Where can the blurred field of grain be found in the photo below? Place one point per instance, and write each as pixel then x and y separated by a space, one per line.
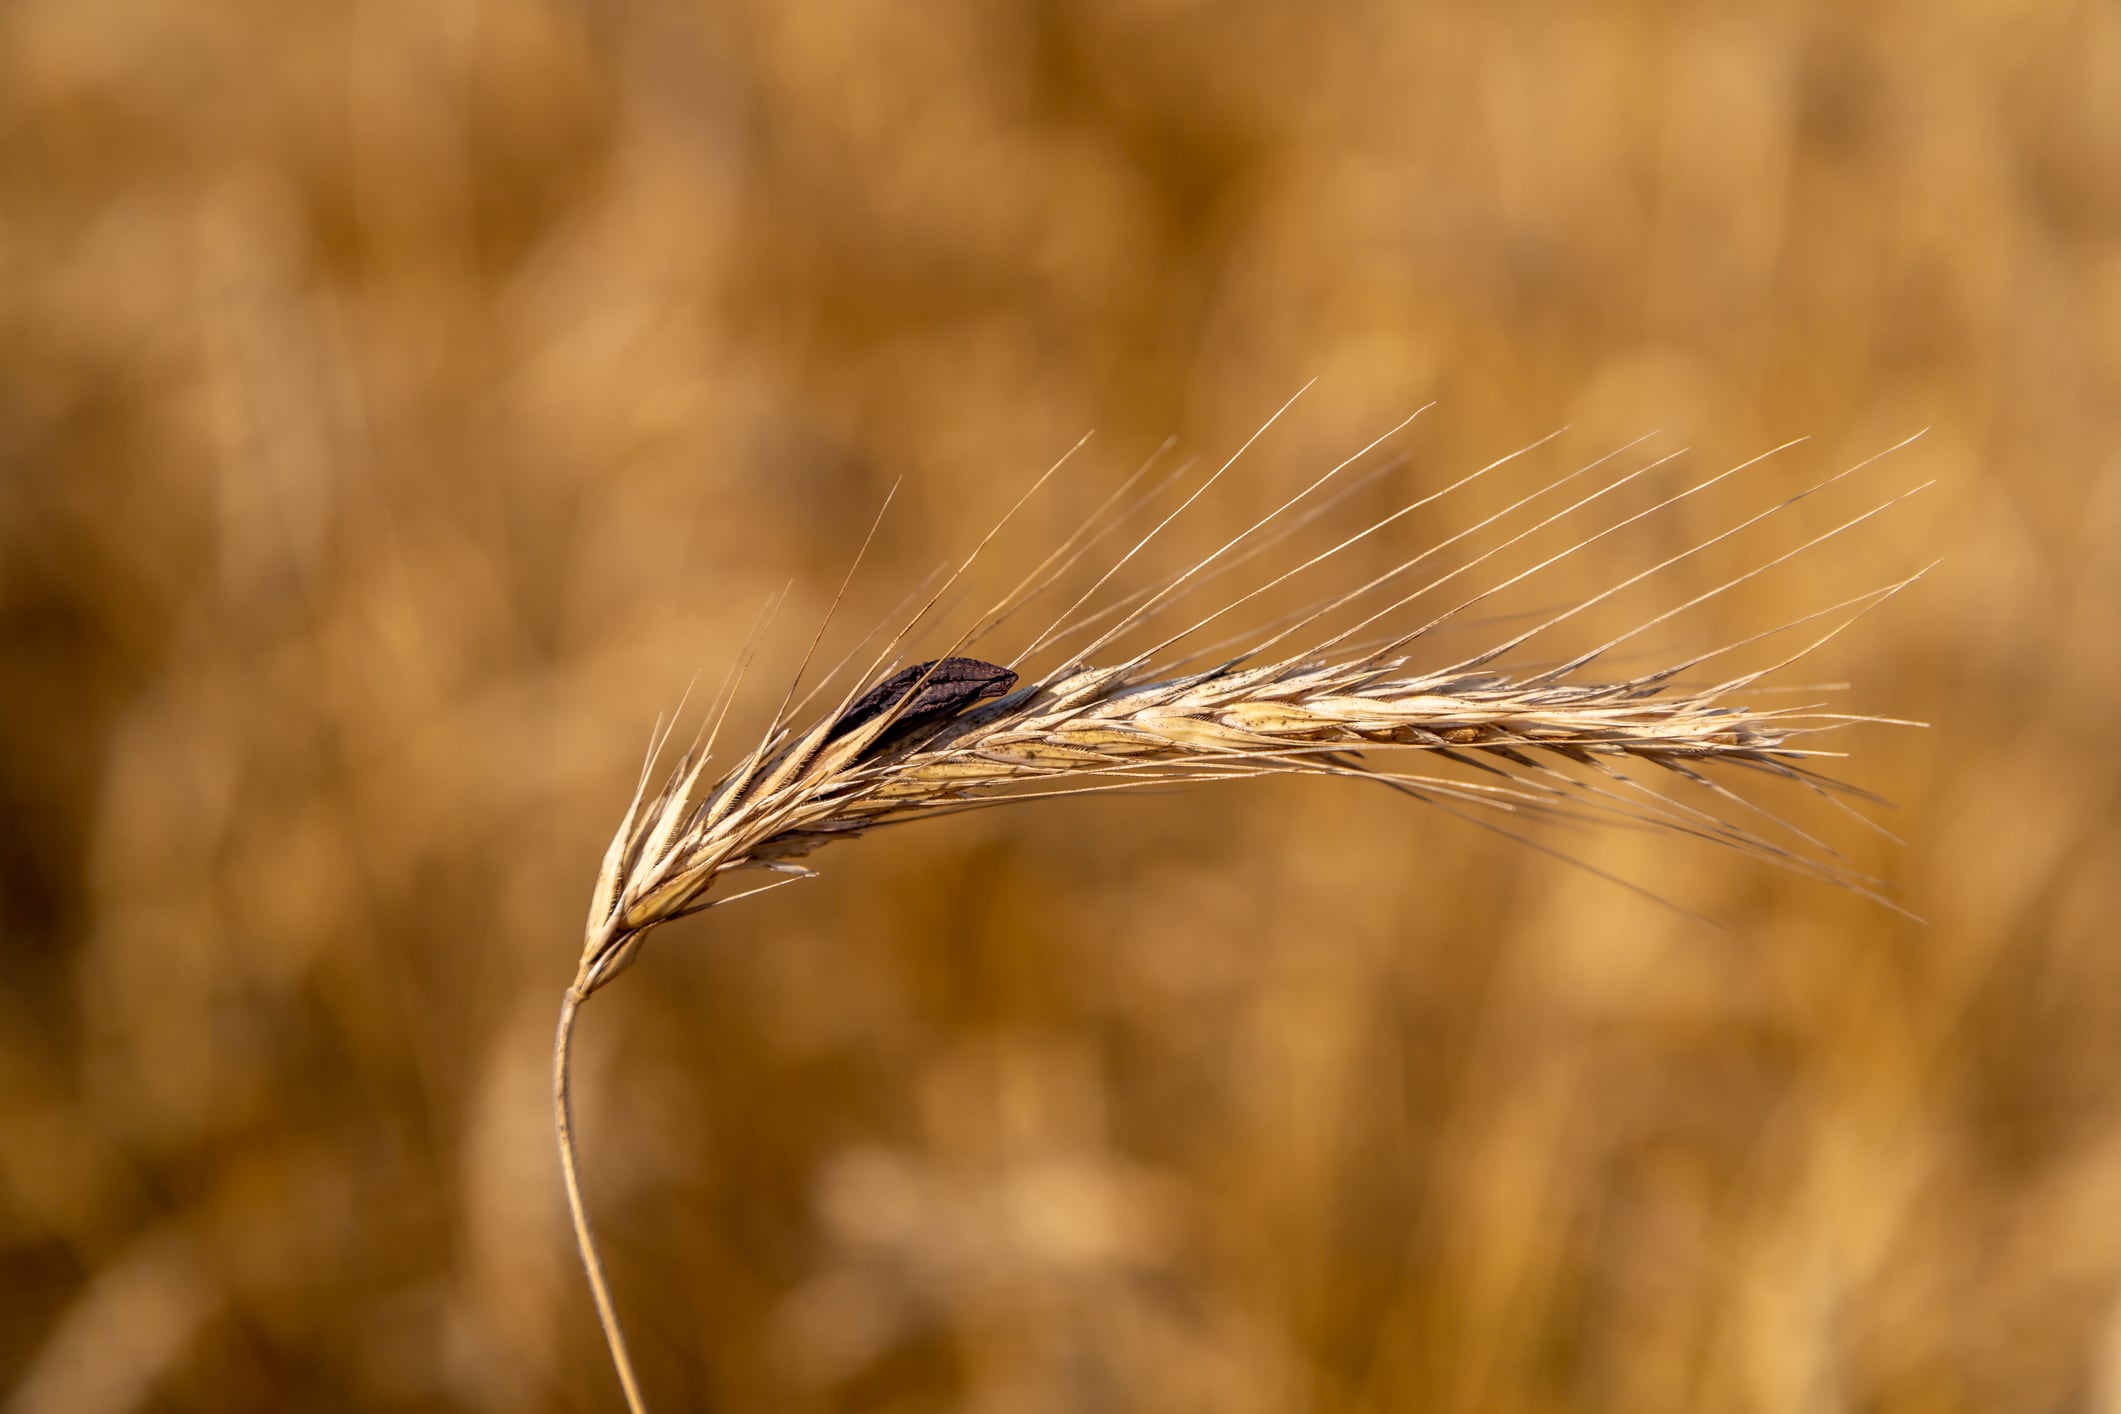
pixel 400 401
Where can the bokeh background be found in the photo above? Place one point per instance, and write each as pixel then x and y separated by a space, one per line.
pixel 400 401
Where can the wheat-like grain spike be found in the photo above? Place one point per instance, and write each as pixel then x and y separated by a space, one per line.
pixel 950 734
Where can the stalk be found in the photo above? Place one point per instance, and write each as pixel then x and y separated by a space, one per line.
pixel 585 1241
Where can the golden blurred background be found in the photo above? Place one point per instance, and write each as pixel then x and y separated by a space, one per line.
pixel 401 401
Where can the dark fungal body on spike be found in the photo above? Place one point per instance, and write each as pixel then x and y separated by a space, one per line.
pixel 946 687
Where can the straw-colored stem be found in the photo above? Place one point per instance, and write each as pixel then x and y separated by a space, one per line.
pixel 563 1130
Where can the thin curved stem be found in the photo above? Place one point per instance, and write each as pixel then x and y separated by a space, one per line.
pixel 563 1130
